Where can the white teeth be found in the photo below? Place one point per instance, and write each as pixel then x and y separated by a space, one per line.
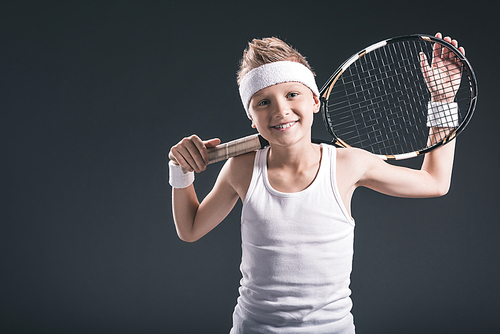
pixel 284 126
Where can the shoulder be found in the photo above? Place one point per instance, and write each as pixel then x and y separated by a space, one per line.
pixel 355 155
pixel 354 163
pixel 242 163
pixel 237 172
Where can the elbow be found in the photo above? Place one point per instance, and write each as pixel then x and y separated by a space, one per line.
pixel 442 190
pixel 437 185
pixel 187 237
pixel 441 193
pixel 185 230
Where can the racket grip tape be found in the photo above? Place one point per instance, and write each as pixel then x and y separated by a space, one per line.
pixel 234 148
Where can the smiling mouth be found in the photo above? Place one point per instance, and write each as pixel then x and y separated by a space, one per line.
pixel 284 125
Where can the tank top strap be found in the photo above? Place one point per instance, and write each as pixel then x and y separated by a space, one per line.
pixel 259 165
pixel 330 157
pixel 327 166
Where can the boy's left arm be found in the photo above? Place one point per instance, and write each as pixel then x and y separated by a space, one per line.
pixel 432 180
pixel 434 177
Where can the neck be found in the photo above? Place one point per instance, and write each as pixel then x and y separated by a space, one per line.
pixel 296 157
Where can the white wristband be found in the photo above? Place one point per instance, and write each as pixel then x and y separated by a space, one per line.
pixel 443 115
pixel 178 178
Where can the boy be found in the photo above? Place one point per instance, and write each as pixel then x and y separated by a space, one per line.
pixel 297 230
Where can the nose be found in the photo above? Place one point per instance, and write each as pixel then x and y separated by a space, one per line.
pixel 282 109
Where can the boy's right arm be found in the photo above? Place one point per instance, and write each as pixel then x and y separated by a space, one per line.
pixel 193 219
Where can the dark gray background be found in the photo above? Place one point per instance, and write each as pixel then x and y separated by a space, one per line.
pixel 94 94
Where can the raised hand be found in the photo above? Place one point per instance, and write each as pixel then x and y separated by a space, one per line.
pixel 191 153
pixel 444 73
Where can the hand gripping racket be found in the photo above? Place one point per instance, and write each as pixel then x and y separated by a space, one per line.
pixel 378 99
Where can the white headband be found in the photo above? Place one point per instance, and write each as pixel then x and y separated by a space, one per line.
pixel 273 74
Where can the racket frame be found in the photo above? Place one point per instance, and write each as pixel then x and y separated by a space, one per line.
pixel 328 86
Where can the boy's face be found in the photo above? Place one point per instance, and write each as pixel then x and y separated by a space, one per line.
pixel 283 113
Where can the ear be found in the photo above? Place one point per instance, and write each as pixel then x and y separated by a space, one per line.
pixel 251 119
pixel 316 104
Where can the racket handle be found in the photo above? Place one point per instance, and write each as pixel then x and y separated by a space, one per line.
pixel 234 148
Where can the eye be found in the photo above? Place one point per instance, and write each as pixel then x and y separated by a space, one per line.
pixel 263 103
pixel 292 94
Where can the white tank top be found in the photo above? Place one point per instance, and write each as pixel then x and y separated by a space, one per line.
pixel 297 253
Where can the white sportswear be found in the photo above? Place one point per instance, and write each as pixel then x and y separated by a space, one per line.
pixel 297 251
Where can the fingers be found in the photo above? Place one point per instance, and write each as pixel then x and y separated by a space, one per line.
pixel 444 75
pixel 191 153
pixel 442 52
pixel 437 48
pixel 424 65
pixel 454 42
pixel 212 142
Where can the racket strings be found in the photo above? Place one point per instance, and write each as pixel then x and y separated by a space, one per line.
pixel 381 101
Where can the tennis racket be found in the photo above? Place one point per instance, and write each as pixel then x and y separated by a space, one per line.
pixel 378 100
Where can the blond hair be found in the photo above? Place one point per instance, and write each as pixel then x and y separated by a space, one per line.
pixel 267 50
